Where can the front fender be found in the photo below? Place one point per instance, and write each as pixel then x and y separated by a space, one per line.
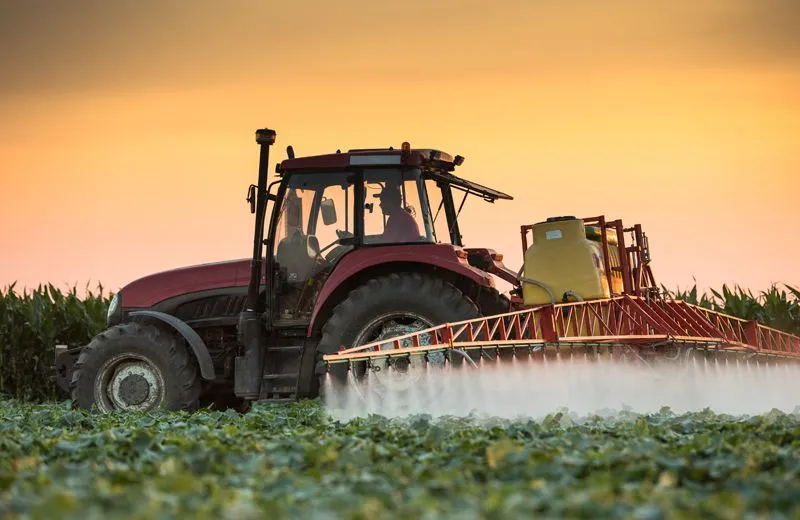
pixel 353 264
pixel 190 335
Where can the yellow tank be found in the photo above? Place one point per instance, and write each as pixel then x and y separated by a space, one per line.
pixel 565 260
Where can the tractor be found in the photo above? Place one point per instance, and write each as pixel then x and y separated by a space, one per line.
pixel 349 248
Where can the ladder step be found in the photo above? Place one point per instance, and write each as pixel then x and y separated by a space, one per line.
pixel 285 348
pixel 289 375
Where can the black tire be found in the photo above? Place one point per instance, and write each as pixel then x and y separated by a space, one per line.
pixel 429 297
pixel 492 302
pixel 166 361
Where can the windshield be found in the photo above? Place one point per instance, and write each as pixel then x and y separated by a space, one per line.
pixel 316 212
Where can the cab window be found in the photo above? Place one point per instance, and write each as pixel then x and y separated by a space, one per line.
pixel 395 208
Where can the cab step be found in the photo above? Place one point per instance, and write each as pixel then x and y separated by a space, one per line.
pixel 285 348
pixel 281 377
pixel 288 375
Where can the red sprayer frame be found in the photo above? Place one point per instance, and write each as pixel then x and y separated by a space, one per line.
pixel 612 325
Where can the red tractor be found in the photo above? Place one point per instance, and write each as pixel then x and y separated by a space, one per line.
pixel 330 267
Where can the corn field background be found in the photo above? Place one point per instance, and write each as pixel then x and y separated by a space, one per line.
pixel 32 322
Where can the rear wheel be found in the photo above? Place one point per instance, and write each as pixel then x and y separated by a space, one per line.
pixel 135 366
pixel 385 307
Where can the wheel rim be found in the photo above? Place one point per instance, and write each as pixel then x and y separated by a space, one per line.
pixel 399 374
pixel 129 382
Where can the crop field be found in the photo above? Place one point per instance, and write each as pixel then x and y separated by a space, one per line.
pixel 296 462
pixel 732 456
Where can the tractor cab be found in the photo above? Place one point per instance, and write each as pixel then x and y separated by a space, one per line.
pixel 328 206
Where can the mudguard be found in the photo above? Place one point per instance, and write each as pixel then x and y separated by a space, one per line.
pixel 440 256
pixel 190 335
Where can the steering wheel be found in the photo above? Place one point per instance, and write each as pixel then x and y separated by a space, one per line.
pixel 342 235
pixel 337 251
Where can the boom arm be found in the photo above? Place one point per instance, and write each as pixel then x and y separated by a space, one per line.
pixel 617 325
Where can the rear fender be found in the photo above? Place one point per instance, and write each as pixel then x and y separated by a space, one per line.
pixel 376 261
pixel 189 334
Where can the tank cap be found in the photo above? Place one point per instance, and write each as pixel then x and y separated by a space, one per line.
pixel 560 219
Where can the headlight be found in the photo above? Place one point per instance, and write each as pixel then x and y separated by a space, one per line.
pixel 112 307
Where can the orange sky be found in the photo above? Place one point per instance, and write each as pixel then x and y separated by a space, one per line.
pixel 126 136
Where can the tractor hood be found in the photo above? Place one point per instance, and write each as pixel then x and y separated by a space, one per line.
pixel 152 289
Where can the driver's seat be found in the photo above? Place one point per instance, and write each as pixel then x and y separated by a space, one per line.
pixel 297 253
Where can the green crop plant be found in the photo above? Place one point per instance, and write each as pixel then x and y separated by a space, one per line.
pixel 295 461
pixel 31 323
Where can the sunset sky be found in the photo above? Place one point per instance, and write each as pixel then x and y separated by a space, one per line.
pixel 127 127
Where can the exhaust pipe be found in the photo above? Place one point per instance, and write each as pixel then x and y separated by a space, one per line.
pixel 249 367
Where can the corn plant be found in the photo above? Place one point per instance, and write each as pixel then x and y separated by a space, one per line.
pixel 31 324
pixel 775 308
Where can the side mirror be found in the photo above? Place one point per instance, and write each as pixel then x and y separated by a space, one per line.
pixel 251 197
pixel 328 209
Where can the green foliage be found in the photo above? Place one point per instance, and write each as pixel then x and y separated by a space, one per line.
pixel 296 462
pixel 31 324
pixel 774 308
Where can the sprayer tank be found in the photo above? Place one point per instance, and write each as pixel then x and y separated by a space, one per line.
pixel 567 261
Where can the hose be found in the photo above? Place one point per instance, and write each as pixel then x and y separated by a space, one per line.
pixel 578 297
pixel 531 281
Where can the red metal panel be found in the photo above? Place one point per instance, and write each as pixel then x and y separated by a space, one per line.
pixel 627 276
pixel 751 334
pixel 157 287
pixel 547 323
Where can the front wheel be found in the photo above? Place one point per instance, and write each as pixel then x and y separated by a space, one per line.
pixel 382 308
pixel 135 367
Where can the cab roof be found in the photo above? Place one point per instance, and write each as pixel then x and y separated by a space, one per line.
pixel 435 164
pixel 375 157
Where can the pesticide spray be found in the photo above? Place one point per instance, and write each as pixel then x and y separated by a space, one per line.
pixel 523 387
